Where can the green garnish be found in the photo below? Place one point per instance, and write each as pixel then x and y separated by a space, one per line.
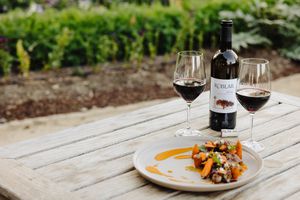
pixel 202 148
pixel 216 160
pixel 231 147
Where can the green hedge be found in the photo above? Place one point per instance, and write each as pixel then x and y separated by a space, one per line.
pixel 127 32
pixel 95 35
pixel 74 37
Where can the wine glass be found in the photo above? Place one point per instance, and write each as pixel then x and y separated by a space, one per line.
pixel 253 91
pixel 189 82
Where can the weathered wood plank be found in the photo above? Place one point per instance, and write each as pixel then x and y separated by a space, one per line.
pixel 288 157
pixel 91 171
pixel 294 196
pixel 287 163
pixel 106 140
pixel 148 193
pixel 86 169
pixel 276 187
pixel 98 143
pixel 94 129
pixel 272 150
pixel 19 182
pixel 284 98
pixel 87 131
pixel 262 131
pixel 115 186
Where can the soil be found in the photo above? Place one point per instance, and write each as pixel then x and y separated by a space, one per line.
pixel 76 89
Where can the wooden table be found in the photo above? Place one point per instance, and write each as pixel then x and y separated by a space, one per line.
pixel 94 161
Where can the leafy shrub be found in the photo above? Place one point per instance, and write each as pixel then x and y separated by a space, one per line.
pixel 56 55
pixel 278 21
pixel 74 37
pixel 246 39
pixel 98 35
pixel 5 62
pixel 23 58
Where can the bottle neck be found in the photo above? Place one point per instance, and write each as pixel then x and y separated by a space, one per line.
pixel 225 38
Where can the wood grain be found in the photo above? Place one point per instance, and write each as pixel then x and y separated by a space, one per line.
pixel 273 154
pixel 279 186
pixel 264 130
pixel 284 98
pixel 87 131
pixel 294 196
pixel 94 161
pixel 19 182
pixel 87 171
pixel 166 126
pixel 109 139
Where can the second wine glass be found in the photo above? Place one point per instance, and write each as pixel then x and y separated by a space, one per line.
pixel 189 82
pixel 253 91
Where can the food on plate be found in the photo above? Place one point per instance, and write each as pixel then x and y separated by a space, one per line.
pixel 220 161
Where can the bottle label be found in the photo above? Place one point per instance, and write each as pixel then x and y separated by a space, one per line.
pixel 222 95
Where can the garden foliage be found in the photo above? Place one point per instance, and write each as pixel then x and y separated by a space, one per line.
pixel 73 36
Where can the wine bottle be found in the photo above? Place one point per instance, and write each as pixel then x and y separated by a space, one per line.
pixel 224 74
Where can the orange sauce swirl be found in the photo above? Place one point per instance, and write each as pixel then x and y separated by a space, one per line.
pixel 170 153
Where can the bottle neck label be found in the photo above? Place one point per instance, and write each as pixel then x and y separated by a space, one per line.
pixel 222 95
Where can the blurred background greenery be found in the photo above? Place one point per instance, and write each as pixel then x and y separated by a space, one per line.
pixel 49 34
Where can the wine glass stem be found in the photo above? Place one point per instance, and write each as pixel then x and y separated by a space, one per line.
pixel 188 125
pixel 251 126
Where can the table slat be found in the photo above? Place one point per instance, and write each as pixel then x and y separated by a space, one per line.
pixel 280 186
pixel 284 98
pixel 273 154
pixel 97 144
pixel 19 182
pixel 113 138
pixel 294 196
pixel 86 169
pixel 94 161
pixel 93 129
pixel 265 130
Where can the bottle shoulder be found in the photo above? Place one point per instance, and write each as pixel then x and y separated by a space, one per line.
pixel 228 55
pixel 225 65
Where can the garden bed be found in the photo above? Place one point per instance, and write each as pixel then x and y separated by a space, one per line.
pixel 69 90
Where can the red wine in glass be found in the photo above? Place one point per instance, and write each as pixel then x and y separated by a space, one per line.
pixel 253 91
pixel 189 82
pixel 252 99
pixel 189 89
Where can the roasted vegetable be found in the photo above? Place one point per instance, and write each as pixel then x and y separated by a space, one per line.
pixel 207 167
pixel 220 161
pixel 239 150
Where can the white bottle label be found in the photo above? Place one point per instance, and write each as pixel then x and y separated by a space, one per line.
pixel 222 95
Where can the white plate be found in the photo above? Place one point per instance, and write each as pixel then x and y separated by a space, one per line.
pixel 189 180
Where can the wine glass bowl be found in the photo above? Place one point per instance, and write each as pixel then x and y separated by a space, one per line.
pixel 189 82
pixel 254 90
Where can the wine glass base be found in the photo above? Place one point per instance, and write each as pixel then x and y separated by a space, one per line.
pixel 193 132
pixel 256 146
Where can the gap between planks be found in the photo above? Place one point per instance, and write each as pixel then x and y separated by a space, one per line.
pixel 127 159
pixel 19 182
pixel 263 177
pixel 34 146
pixel 40 160
pixel 86 131
pixel 46 158
pixel 267 126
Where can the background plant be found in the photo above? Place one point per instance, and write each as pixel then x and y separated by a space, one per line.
pixel 276 24
pixel 23 58
pixel 78 37
pixel 5 62
pixel 55 57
